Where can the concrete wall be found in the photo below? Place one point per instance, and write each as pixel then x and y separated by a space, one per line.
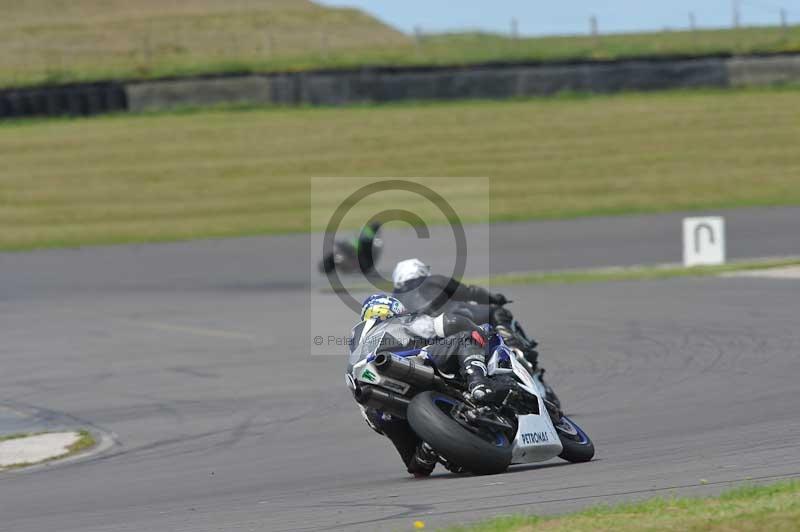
pixel 197 92
pixel 753 71
pixel 375 86
pixel 397 84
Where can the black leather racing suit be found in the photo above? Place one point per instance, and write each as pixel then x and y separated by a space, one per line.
pixel 437 293
pixel 430 295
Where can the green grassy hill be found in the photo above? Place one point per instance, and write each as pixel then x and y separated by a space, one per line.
pixel 73 40
pixel 57 40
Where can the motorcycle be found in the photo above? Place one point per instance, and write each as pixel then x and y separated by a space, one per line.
pixel 482 439
pixel 344 257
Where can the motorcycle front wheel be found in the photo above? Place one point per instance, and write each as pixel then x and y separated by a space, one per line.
pixel 479 451
pixel 577 446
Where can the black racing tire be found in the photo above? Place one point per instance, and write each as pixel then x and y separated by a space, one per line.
pixel 327 265
pixel 577 446
pixel 458 445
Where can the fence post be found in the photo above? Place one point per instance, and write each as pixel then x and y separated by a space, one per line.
pixel 418 34
pixel 737 14
pixel 418 38
pixel 594 28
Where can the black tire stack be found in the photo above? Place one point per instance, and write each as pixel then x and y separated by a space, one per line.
pixel 66 100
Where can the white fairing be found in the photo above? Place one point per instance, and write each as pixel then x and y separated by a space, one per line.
pixel 537 439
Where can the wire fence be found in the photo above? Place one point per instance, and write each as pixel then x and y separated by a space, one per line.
pixel 781 16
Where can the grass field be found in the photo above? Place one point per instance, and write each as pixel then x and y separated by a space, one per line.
pixel 222 173
pixel 754 508
pixel 57 40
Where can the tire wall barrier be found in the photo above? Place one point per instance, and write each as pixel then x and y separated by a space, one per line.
pixel 73 100
pixel 376 85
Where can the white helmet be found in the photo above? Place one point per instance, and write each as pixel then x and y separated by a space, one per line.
pixel 408 270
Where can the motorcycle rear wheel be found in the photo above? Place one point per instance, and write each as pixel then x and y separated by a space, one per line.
pixel 430 415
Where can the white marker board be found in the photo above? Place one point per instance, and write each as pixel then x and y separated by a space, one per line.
pixel 703 241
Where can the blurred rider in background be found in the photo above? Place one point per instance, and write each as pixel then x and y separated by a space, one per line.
pixel 360 253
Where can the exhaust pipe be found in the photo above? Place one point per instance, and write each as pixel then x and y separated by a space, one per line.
pixel 411 371
pixel 391 403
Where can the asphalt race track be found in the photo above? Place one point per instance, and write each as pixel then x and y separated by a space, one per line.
pixel 194 358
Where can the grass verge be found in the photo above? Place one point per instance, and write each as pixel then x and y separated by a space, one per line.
pixel 84 442
pixel 634 273
pixel 206 174
pixel 750 508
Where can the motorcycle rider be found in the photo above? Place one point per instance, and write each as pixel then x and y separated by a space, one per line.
pixel 453 342
pixel 421 291
pixel 356 254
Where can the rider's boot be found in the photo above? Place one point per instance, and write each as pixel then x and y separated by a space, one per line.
pixel 423 461
pixel 473 369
